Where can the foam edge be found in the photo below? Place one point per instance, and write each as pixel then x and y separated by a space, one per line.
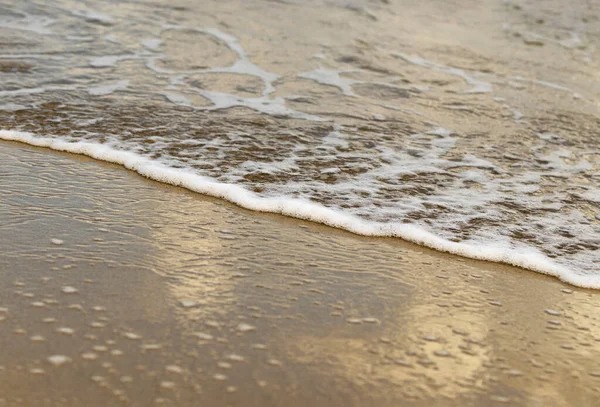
pixel 303 209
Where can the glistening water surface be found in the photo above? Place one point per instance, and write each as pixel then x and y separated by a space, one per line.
pixel 470 128
pixel 148 295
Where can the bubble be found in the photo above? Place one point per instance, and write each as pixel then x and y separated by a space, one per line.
pixel 65 330
pixel 69 290
pixel 236 358
pixel 89 356
pixel 203 336
pixel 174 369
pixel 500 399
pixel 167 385
pixel 151 346
pixel 552 312
pixel 242 327
pixel 371 320
pixel 274 362
pixel 354 321
pixel 131 335
pixel 58 360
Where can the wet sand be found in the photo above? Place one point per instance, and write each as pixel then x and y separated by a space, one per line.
pixel 153 295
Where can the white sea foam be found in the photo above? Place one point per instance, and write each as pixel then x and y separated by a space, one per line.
pixel 528 258
pixel 478 85
pixel 29 22
pixel 242 66
pixel 177 99
pixel 12 107
pixel 275 106
pixel 331 78
pixel 94 16
pixel 152 44
pixel 365 163
pixel 32 56
pixel 108 89
pixel 33 91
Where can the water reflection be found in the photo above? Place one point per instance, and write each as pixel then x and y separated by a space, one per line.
pixel 263 310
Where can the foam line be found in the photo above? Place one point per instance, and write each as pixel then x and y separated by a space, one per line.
pixel 331 77
pixel 303 209
pixel 479 86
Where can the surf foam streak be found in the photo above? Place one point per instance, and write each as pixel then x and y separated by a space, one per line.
pixel 303 209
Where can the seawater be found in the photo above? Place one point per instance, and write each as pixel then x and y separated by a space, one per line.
pixel 479 138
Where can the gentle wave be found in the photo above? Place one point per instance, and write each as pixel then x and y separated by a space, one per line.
pixel 303 209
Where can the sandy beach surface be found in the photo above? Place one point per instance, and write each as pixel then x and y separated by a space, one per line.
pixel 117 290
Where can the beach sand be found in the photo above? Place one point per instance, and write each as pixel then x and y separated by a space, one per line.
pixel 117 290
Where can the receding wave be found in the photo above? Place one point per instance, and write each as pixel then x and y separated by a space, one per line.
pixel 381 131
pixel 528 258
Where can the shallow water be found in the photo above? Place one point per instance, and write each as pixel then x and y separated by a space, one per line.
pixel 150 295
pixel 470 129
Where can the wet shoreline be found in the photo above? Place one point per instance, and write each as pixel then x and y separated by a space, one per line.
pixel 158 296
pixel 472 126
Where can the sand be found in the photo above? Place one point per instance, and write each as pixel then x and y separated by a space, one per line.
pixel 117 290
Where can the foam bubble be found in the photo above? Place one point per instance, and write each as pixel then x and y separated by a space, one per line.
pixel 58 360
pixel 69 290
